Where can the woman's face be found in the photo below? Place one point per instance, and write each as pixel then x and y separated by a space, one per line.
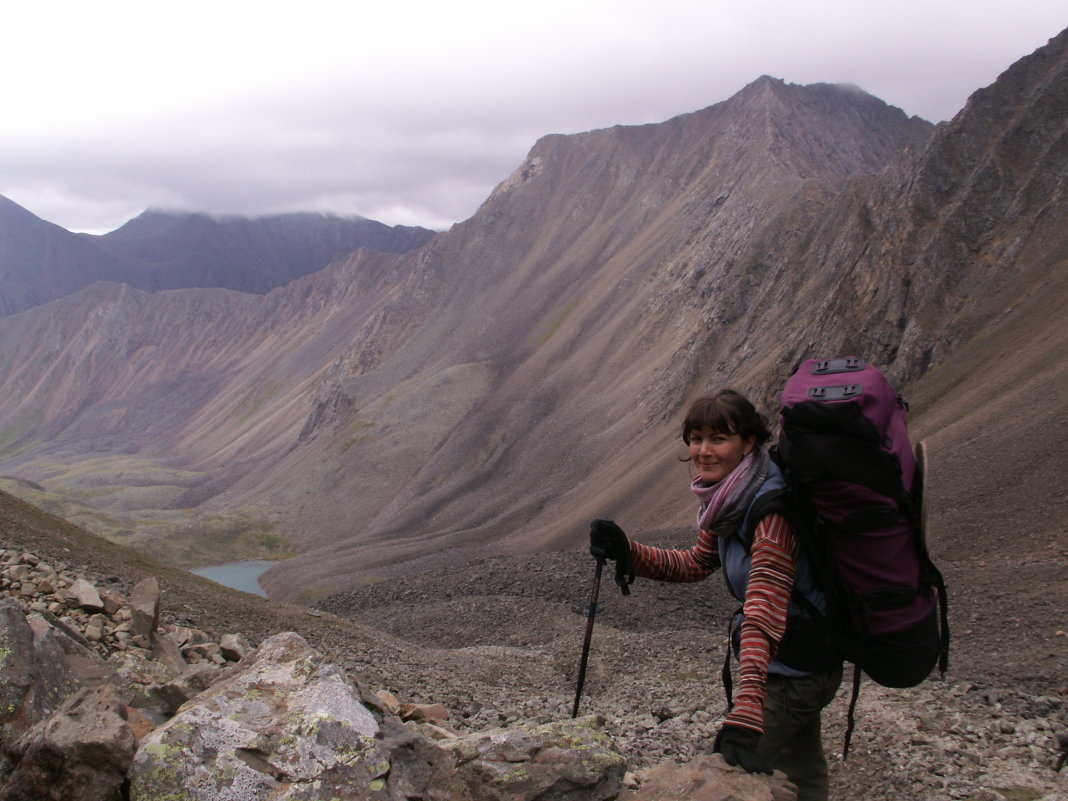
pixel 716 454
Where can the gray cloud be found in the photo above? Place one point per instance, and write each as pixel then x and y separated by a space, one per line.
pixel 413 118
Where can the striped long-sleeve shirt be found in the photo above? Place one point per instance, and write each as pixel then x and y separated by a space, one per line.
pixel 771 580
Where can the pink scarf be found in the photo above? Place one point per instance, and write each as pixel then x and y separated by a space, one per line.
pixel 724 504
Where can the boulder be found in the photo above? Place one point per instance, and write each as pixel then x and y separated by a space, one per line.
pixel 388 702
pixel 709 778
pixel 204 652
pixel 424 713
pixel 96 628
pixel 419 769
pixel 86 596
pixel 284 724
pixel 187 685
pixel 86 664
pixel 35 676
pixel 572 760
pixel 82 751
pixel 144 608
pixel 112 601
pixel 166 651
pixel 234 647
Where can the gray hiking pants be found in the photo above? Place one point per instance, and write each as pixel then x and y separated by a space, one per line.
pixel 792 741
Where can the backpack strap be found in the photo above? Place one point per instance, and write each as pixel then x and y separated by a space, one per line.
pixel 771 502
pixel 931 576
pixel 728 679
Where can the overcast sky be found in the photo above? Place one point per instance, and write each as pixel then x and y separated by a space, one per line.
pixel 411 112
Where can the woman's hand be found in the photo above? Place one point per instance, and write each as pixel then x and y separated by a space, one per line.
pixel 738 747
pixel 607 541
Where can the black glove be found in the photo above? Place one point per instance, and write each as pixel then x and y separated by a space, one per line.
pixel 607 541
pixel 738 747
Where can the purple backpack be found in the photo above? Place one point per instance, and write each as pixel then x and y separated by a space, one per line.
pixel 856 485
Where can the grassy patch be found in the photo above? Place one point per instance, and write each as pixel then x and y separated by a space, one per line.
pixel 113 470
pixel 112 527
pixel 231 537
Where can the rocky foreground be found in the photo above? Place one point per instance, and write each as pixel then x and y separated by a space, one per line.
pixel 103 699
pixel 445 659
pixel 655 677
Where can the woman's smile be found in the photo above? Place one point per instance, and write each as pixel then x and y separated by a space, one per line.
pixel 716 454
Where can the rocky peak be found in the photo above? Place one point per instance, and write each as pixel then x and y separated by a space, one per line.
pixel 40 261
pixel 820 127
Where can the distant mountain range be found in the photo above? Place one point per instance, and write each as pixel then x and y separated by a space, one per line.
pixel 502 383
pixel 40 262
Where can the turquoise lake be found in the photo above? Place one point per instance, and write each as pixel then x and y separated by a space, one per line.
pixel 242 576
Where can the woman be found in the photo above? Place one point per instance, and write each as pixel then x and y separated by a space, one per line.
pixel 787 671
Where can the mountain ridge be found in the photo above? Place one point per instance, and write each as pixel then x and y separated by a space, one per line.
pixel 257 254
pixel 41 262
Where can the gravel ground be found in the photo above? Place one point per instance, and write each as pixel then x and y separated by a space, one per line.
pixel 654 675
pixel 499 640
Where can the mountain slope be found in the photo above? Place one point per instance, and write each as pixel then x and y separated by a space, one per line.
pixel 594 256
pixel 594 313
pixel 523 372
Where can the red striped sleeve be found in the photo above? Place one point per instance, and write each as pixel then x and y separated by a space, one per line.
pixel 771 580
pixel 666 564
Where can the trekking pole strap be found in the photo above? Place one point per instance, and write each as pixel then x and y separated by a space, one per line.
pixel 624 576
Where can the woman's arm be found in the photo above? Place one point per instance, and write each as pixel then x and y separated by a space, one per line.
pixel 771 580
pixel 666 564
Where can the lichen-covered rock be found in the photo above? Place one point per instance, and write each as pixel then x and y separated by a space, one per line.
pixel 35 676
pixel 286 725
pixel 567 760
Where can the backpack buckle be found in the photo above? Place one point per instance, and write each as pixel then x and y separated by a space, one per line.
pixel 849 364
pixel 835 393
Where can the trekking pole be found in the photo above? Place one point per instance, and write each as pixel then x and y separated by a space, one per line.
pixel 591 613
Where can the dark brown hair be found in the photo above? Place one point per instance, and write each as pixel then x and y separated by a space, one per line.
pixel 728 412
